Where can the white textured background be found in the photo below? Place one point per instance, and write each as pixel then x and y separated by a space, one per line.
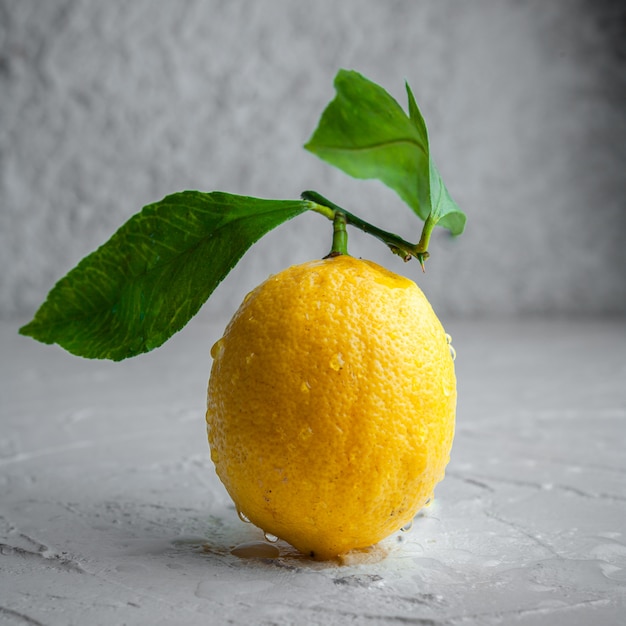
pixel 107 106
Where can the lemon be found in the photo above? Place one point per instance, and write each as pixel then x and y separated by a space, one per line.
pixel 331 405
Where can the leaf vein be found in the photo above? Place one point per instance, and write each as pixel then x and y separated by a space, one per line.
pixel 375 146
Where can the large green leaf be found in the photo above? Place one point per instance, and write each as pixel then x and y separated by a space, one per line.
pixel 156 271
pixel 366 133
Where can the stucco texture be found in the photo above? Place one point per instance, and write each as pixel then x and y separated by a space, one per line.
pixel 108 106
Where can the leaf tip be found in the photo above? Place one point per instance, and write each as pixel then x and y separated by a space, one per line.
pixel 27 330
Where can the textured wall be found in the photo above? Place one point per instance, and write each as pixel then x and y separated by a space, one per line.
pixel 106 106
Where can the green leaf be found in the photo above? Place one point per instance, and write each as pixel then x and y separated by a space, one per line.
pixel 367 134
pixel 443 208
pixel 144 284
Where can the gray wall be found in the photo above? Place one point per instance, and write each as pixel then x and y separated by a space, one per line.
pixel 106 106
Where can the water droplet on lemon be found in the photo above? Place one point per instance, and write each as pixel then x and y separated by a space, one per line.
pixel 452 350
pixel 243 517
pixel 218 349
pixel 407 527
pixel 336 361
pixel 271 538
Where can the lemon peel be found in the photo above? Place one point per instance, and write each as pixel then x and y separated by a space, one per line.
pixel 331 405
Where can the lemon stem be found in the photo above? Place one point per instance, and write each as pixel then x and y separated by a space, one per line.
pixel 422 244
pixel 396 244
pixel 340 235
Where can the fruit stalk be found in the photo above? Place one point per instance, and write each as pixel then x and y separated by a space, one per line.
pixel 340 236
pixel 396 244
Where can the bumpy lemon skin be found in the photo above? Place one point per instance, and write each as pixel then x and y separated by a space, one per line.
pixel 331 405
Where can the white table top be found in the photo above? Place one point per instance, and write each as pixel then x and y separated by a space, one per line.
pixel 111 513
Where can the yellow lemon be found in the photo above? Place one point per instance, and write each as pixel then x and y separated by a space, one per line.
pixel 331 405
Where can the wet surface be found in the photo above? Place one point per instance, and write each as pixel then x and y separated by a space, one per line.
pixel 110 510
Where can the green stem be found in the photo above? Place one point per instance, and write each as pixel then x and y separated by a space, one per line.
pixel 396 244
pixel 422 244
pixel 340 235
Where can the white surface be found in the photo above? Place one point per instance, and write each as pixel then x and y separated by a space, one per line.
pixel 111 512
